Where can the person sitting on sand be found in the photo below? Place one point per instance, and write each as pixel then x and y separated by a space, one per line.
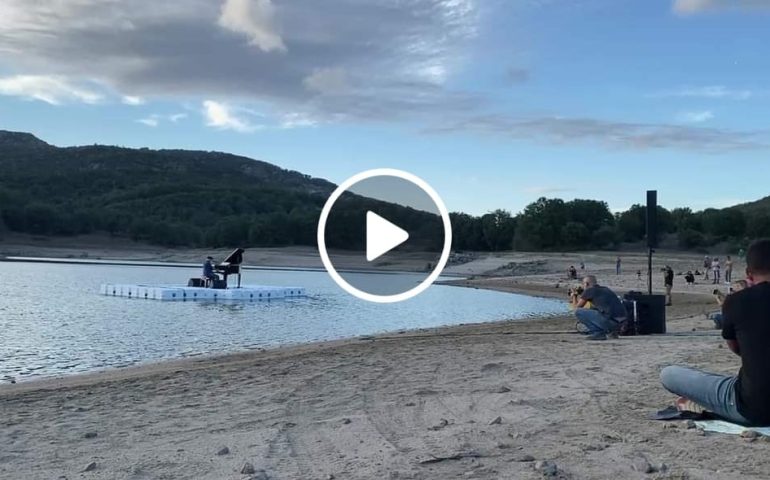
pixel 745 398
pixel 572 272
pixel 689 278
pixel 607 312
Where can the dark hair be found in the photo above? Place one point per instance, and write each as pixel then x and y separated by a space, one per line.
pixel 758 257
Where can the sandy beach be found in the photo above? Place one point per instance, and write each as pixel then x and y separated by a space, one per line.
pixel 477 401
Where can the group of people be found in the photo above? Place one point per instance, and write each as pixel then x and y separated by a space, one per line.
pixel 712 265
pixel 745 323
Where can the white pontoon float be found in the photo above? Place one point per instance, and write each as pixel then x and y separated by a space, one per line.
pixel 200 289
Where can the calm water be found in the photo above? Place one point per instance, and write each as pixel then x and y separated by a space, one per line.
pixel 53 322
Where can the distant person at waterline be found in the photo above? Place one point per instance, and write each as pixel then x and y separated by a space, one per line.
pixel 715 270
pixel 744 398
pixel 706 266
pixel 606 312
pixel 617 266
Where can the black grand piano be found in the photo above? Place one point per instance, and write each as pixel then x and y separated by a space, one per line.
pixel 231 266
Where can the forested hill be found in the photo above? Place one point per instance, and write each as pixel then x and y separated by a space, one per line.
pixel 172 197
pixel 213 199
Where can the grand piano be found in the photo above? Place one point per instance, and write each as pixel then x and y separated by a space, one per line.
pixel 231 266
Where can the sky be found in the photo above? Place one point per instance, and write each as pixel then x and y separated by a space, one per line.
pixel 493 102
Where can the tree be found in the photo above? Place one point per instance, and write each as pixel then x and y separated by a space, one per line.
pixel 575 235
pixel 539 226
pixel 498 230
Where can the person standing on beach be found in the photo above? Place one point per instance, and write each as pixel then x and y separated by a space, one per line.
pixel 715 270
pixel 668 281
pixel 728 270
pixel 744 398
pixel 617 266
pixel 706 266
pixel 607 310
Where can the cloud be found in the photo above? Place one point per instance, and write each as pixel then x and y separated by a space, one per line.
pixel 131 100
pixel 713 92
pixel 611 134
pixel 151 121
pixel 347 59
pixel 54 90
pixel 690 7
pixel 224 117
pixel 297 120
pixel 328 81
pixel 156 119
pixel 695 117
pixel 256 20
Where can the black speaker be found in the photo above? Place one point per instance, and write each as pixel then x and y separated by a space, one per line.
pixel 652 218
pixel 650 313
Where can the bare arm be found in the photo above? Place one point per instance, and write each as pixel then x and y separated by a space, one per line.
pixel 581 303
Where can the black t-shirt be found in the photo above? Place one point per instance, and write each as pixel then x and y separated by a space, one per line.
pixel 747 320
pixel 669 277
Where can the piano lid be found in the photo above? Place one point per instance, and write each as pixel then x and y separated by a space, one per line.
pixel 235 258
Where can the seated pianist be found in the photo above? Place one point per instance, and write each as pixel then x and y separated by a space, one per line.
pixel 208 271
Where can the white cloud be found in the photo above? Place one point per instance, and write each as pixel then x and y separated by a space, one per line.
pixel 328 81
pixel 297 120
pixel 225 117
pixel 256 20
pixel 176 117
pixel 132 100
pixel 713 91
pixel 695 117
pixel 691 7
pixel 156 119
pixel 55 90
pixel 151 121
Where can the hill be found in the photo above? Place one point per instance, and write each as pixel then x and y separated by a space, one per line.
pixel 172 197
pixel 167 197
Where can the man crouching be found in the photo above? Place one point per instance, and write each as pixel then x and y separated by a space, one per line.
pixel 744 398
pixel 606 312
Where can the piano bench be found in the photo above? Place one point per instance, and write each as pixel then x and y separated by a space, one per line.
pixel 196 282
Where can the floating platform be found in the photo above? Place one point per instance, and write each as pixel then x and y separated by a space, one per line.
pixel 180 293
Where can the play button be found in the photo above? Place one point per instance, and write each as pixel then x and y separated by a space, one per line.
pixel 382 236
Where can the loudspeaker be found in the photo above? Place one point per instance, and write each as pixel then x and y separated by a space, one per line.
pixel 652 218
pixel 650 313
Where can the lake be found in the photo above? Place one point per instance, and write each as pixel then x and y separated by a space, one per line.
pixel 53 321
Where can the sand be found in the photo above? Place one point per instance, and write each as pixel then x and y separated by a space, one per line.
pixel 491 401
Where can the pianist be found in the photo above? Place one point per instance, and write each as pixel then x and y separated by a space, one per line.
pixel 208 270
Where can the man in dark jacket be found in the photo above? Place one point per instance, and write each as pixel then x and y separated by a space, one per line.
pixel 606 312
pixel 744 398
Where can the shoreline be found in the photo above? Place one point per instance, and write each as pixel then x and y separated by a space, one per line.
pixel 478 401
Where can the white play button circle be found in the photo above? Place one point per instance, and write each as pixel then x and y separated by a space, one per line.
pixel 382 236
pixel 384 221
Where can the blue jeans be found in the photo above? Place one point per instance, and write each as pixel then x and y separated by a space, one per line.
pixel 595 321
pixel 717 318
pixel 715 393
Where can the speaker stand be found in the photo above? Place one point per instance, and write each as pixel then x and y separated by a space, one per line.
pixel 649 271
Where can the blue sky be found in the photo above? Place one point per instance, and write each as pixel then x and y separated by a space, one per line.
pixel 493 102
